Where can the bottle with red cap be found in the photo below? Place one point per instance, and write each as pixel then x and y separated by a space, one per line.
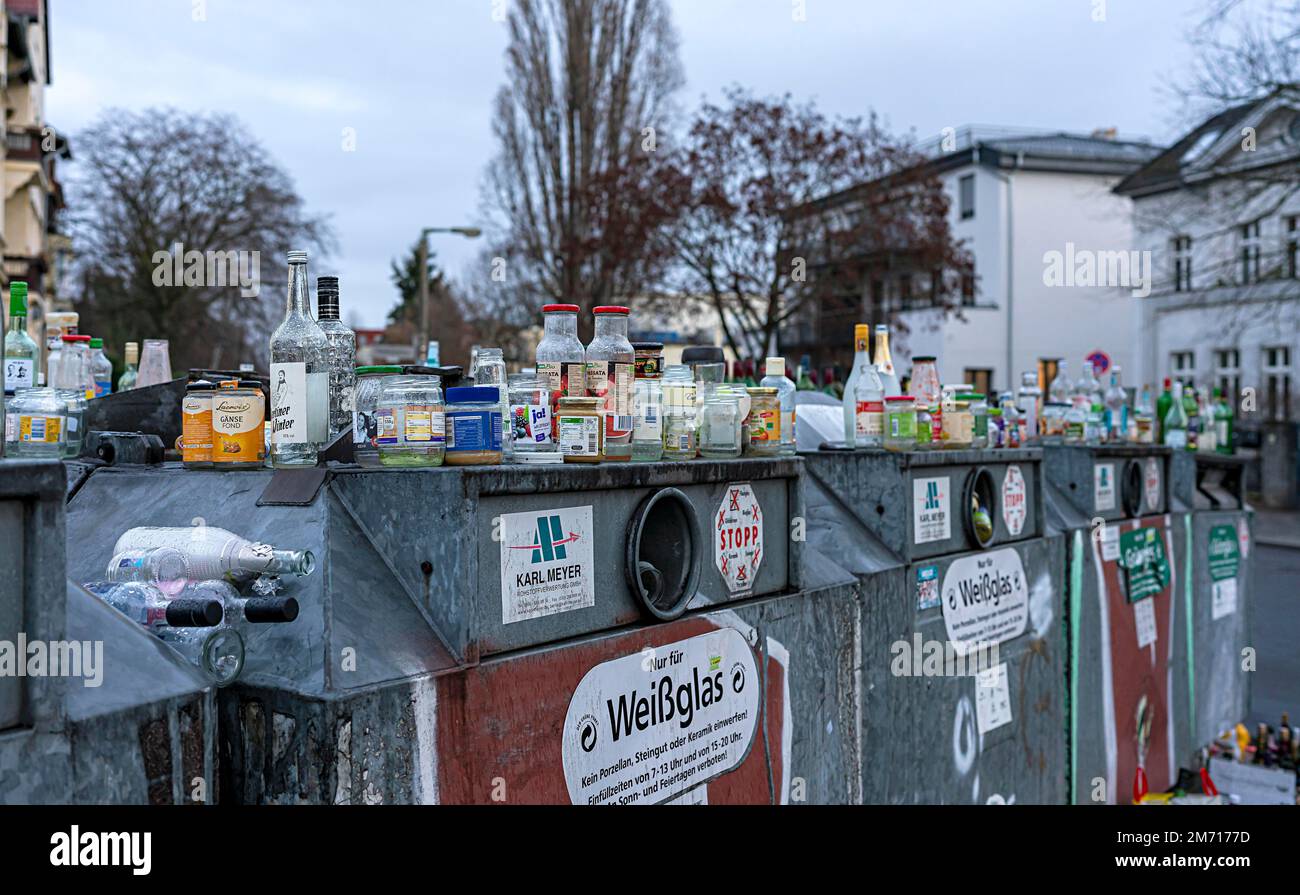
pixel 611 364
pixel 561 359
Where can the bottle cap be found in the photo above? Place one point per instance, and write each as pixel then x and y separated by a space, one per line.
pixel 250 383
pixel 702 354
pixel 96 343
pixel 132 352
pixel 610 309
pixel 327 298
pixel 923 359
pixel 566 309
pixel 200 385
pixel 297 257
pixel 648 346
pixel 775 366
pixel 193 613
pixel 861 331
pixel 387 370
pixel 270 610
pixel 473 394
pixel 18 299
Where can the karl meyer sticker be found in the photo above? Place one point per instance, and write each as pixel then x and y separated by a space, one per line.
pixel 931 520
pixel 649 726
pixel 1103 486
pixel 1014 506
pixel 546 563
pixel 1151 483
pixel 738 538
pixel 985 600
pixel 1224 559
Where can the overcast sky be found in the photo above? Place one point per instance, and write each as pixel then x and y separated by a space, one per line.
pixel 415 78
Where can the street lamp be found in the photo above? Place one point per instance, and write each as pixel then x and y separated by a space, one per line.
pixel 468 233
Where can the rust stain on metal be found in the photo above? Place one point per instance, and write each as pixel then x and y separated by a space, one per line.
pixel 193 757
pixel 156 753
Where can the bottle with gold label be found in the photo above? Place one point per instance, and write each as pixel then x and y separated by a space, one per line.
pixel 196 425
pixel 238 421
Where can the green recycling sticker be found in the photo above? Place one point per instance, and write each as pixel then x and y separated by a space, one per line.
pixel 1224 552
pixel 1142 554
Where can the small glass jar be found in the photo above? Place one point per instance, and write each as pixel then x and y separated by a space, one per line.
pixel 1053 429
pixel 924 384
pixel 37 423
pixel 958 424
pixel 410 421
pixel 979 410
pixel 489 369
pixel 365 431
pixel 722 417
pixel 764 422
pixel 196 425
pixel 926 436
pixel 531 430
pixel 74 417
pixel 648 419
pixel 1075 425
pixel 1094 428
pixel 581 427
pixel 900 423
pixel 238 425
pixel 679 403
pixel 473 426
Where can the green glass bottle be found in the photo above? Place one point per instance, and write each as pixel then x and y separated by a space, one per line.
pixel 1223 424
pixel 21 355
pixel 1162 410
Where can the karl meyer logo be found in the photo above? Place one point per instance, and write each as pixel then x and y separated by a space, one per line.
pixel 550 542
pixel 932 496
pixel 1085 268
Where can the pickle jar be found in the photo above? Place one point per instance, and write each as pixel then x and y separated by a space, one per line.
pixel 764 422
pixel 36 421
pixel 365 449
pixel 900 423
pixel 410 421
pixel 958 424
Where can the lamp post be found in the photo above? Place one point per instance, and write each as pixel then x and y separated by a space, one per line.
pixel 423 252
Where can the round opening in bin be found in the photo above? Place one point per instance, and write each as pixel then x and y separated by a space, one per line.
pixel 979 506
pixel 1131 488
pixel 663 553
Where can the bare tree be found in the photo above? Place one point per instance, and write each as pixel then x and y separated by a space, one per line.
pixel 575 191
pixel 1242 49
pixel 148 182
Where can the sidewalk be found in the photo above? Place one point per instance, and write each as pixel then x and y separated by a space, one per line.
pixel 1279 528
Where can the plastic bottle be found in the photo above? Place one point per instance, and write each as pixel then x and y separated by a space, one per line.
pixel 785 389
pixel 101 369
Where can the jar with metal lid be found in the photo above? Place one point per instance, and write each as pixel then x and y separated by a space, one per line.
pixel 924 384
pixel 1053 429
pixel 531 430
pixel 679 405
pixel 764 422
pixel 196 425
pixel 473 426
pixel 365 428
pixel 36 423
pixel 581 427
pixel 900 423
pixel 410 421
pixel 722 418
pixel 238 425
pixel 958 424
pixel 979 411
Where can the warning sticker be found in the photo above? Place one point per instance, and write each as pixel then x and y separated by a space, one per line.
pixel 547 564
pixel 1109 543
pixel 931 516
pixel 1103 486
pixel 1014 506
pixel 647 727
pixel 1144 618
pixel 738 538
pixel 1223 598
pixel 992 698
pixel 985 600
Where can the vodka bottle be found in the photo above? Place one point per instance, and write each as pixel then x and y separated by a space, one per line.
pixel 884 363
pixel 342 350
pixel 861 360
pixel 1062 389
pixel 1031 405
pixel 218 652
pixel 148 606
pixel 1174 425
pixel 20 352
pixel 236 609
pixel 869 406
pixel 1116 409
pixel 217 553
pixel 785 390
pixel 610 372
pixel 1087 391
pixel 166 568
pixel 126 381
pixel 299 377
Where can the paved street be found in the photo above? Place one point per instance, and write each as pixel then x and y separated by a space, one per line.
pixel 1277 634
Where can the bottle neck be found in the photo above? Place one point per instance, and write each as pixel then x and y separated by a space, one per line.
pixel 611 326
pixel 327 304
pixel 298 303
pixel 883 358
pixel 560 325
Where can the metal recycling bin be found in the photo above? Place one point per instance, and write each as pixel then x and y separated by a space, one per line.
pixel 960 646
pixel 92 708
pixel 1126 619
pixel 458 617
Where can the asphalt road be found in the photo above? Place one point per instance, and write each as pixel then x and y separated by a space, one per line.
pixel 1276 687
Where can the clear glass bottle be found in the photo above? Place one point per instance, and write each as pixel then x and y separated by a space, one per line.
pixel 1094 426
pixel 530 421
pixel 410 421
pixel 561 359
pixel 722 433
pixel 1013 421
pixel 37 423
pixel 680 406
pixel 166 568
pixel 101 369
pixel 883 361
pixel 1174 426
pixel 238 610
pixel 126 381
pixel 1030 401
pixel 21 356
pixel 365 425
pixel 217 553
pixel 861 361
pixel 218 652
pixel 341 346
pixel 869 403
pixel 1088 390
pixel 299 377
pixel 1061 389
pixel 610 374
pixel 785 388
pixel 1117 413
pixel 146 605
pixel 647 403
pixel 70 377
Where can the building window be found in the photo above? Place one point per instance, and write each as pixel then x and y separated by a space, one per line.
pixel 966 196
pixel 968 290
pixel 1292 247
pixel 905 290
pixel 981 380
pixel 1250 246
pixel 1048 367
pixel 1182 251
pixel 1277 382
pixel 1182 366
pixel 1227 372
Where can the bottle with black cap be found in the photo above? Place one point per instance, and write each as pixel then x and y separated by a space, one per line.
pixel 238 609
pixel 147 605
pixel 342 349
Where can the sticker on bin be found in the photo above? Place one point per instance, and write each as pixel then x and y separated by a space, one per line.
pixel 931 519
pixel 547 564
pixel 927 587
pixel 985 600
pixel 1151 484
pixel 738 538
pixel 1015 507
pixel 647 727
pixel 1103 486
pixel 1144 621
pixel 992 698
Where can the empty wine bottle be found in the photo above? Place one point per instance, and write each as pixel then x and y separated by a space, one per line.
pixel 217 553
pixel 238 609
pixel 147 605
pixel 217 652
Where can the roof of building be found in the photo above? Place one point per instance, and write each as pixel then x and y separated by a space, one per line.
pixel 1166 170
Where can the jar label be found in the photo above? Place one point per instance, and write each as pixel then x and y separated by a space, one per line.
pixel 765 426
pixel 870 419
pixel 386 426
pixel 958 426
pixel 237 428
pixel 649 421
pixel 18 373
pixel 612 383
pixel 289 403
pixel 196 429
pixel 423 424
pixel 580 436
pixel 42 429
pixel 473 430
pixel 902 425
pixel 530 423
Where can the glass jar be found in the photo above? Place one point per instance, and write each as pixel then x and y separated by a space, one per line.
pixel 924 385
pixel 581 426
pixel 37 423
pixel 900 423
pixel 473 426
pixel 1053 429
pixel 722 430
pixel 530 414
pixel 679 404
pixel 239 425
pixel 1094 426
pixel 958 424
pixel 196 425
pixel 1075 424
pixel 410 421
pixel 979 410
pixel 561 359
pixel 763 422
pixel 997 428
pixel 926 436
pixel 490 370
pixel 365 428
pixel 647 403
pixel 610 373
